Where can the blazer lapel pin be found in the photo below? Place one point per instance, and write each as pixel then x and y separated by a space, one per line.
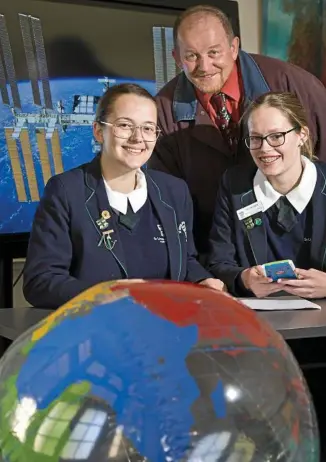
pixel 103 224
pixel 249 223
pixel 107 239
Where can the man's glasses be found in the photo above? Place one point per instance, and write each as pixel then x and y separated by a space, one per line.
pixel 273 139
pixel 126 130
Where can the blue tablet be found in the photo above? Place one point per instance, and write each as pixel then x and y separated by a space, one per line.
pixel 282 269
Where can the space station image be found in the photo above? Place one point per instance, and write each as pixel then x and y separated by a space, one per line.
pixel 40 115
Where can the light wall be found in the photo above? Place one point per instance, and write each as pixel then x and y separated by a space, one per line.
pixel 250 12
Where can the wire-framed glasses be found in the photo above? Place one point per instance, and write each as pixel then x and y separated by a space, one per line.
pixel 125 130
pixel 273 139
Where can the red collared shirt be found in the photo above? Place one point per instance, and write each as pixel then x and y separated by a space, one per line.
pixel 233 92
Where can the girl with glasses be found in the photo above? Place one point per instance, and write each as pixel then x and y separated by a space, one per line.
pixel 112 219
pixel 275 209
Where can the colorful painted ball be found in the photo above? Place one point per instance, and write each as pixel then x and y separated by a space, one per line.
pixel 158 372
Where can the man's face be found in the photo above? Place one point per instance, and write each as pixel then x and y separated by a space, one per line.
pixel 205 53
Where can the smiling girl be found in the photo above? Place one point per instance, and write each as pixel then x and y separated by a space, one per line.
pixel 112 219
pixel 286 192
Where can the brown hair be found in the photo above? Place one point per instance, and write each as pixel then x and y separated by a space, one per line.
pixel 291 108
pixel 106 102
pixel 204 10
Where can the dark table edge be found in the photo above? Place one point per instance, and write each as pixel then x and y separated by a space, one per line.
pixel 287 333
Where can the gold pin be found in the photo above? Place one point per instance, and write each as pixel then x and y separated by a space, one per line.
pixel 105 214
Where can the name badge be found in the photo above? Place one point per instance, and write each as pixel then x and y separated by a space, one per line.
pixel 250 210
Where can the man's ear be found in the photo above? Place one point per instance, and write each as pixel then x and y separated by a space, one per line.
pixel 176 56
pixel 235 47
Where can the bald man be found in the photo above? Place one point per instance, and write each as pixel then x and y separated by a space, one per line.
pixel 200 109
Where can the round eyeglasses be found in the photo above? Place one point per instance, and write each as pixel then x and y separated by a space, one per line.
pixel 125 130
pixel 273 139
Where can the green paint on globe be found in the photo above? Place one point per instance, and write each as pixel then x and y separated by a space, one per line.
pixel 38 444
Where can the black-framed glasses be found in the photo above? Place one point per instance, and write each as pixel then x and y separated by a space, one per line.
pixel 125 130
pixel 273 139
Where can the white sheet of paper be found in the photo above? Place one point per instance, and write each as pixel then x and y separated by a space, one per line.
pixel 274 304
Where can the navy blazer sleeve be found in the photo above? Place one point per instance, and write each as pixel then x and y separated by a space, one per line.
pixel 222 260
pixel 195 271
pixel 49 256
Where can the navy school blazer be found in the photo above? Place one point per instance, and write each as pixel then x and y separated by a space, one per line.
pixel 67 252
pixel 234 248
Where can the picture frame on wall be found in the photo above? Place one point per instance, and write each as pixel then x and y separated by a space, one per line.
pixel 294 31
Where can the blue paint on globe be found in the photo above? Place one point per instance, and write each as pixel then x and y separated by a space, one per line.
pixel 144 380
pixel 76 146
pixel 154 371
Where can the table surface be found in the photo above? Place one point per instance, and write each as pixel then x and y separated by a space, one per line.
pixel 292 324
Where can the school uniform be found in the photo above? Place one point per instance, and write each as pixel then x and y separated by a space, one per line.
pixel 287 227
pixel 84 233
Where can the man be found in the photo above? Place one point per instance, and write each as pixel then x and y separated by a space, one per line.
pixel 200 108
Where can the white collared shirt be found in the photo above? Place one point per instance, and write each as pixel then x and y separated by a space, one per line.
pixel 299 197
pixel 137 197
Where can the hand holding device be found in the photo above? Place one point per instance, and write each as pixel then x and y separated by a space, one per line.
pixel 254 280
pixel 282 269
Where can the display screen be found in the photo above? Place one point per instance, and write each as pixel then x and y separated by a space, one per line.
pixel 56 59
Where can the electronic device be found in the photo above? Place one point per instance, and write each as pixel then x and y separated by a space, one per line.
pixel 281 269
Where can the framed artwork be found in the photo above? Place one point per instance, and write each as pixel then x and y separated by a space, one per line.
pixel 294 31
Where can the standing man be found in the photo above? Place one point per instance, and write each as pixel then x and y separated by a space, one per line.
pixel 200 109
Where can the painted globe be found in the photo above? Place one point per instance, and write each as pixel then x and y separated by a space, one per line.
pixel 157 372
